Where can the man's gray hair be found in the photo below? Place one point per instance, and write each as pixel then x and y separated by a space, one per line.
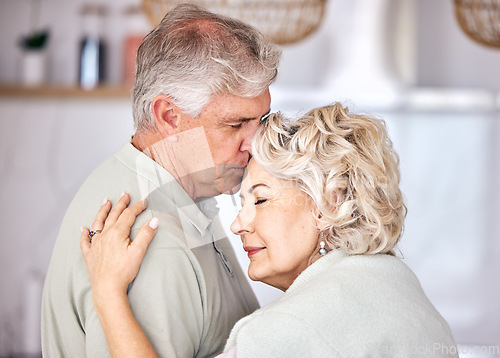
pixel 194 55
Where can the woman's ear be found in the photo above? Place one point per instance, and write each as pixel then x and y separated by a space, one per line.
pixel 317 215
pixel 332 207
pixel 334 200
pixel 166 115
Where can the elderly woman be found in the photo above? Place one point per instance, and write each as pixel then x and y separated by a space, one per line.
pixel 321 215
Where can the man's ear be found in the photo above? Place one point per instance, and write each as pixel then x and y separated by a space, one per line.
pixel 166 115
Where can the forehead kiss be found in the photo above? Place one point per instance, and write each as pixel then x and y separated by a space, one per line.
pixel 229 124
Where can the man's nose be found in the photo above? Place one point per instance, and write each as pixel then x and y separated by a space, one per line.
pixel 246 144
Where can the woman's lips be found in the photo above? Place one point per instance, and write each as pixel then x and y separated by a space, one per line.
pixel 252 250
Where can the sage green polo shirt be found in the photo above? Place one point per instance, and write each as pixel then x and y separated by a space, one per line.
pixel 190 290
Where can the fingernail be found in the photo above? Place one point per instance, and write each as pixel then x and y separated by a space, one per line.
pixel 122 194
pixel 145 201
pixel 81 228
pixel 172 138
pixel 104 202
pixel 153 224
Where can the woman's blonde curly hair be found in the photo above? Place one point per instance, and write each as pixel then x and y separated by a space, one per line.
pixel 347 164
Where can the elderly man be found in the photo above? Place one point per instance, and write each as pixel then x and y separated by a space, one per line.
pixel 201 90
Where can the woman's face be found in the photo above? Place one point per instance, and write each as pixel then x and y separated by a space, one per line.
pixel 277 227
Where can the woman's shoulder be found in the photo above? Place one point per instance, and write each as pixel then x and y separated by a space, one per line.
pixel 346 291
pixel 379 267
pixel 338 271
pixel 338 283
pixel 364 279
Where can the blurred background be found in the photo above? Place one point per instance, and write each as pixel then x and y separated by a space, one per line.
pixel 65 72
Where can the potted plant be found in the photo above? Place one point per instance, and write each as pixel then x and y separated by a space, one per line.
pixel 33 63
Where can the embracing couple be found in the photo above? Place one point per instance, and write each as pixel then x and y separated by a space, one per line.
pixel 321 214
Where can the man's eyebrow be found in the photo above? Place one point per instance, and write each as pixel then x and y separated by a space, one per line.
pixel 252 188
pixel 244 120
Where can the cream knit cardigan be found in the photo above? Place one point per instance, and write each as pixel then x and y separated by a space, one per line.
pixel 347 306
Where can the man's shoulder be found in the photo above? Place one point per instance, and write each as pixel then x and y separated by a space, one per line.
pixel 127 170
pixel 122 161
pixel 115 175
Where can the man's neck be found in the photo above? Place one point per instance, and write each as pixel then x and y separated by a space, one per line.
pixel 144 139
pixel 178 158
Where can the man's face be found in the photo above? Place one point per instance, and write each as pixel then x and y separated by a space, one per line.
pixel 229 123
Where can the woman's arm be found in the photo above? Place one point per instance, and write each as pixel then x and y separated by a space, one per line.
pixel 113 262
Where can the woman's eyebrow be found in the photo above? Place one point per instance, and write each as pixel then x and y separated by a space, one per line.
pixel 252 188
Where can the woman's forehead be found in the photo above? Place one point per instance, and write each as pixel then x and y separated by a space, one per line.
pixel 254 174
pixel 257 176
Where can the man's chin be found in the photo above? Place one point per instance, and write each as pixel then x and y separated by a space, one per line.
pixel 230 184
pixel 231 190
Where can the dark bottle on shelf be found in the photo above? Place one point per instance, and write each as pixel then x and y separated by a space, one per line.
pixel 92 59
pixel 92 62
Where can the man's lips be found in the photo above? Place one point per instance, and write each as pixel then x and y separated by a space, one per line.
pixel 252 250
pixel 228 166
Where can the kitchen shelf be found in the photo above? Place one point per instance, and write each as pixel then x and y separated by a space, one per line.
pixel 103 92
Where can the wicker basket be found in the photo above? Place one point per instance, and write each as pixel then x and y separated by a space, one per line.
pixel 480 20
pixel 283 21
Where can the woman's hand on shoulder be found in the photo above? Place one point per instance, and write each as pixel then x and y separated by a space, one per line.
pixel 112 259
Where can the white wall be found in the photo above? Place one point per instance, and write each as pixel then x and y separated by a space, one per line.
pixel 48 147
pixel 448 142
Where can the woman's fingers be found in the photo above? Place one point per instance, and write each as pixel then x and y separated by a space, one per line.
pixel 128 216
pixel 143 238
pixel 102 214
pixel 114 221
pixel 117 210
pixel 117 262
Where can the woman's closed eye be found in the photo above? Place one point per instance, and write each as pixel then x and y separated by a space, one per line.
pixel 260 201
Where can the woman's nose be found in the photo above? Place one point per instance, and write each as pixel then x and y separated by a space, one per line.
pixel 236 225
pixel 243 222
